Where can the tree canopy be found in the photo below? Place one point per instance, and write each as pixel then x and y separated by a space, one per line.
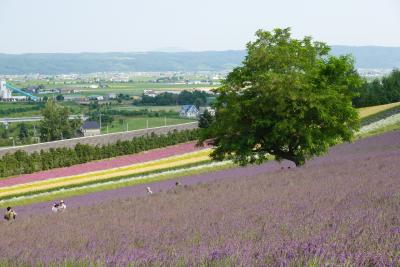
pixel 196 97
pixel 290 99
pixel 56 123
pixel 379 91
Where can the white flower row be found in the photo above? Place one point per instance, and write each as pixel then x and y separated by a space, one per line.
pixel 379 124
pixel 121 181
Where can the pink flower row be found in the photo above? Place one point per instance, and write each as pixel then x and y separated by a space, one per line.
pixel 150 155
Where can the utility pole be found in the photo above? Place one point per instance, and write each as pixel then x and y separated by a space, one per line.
pixel 147 124
pixel 107 128
pixel 100 122
pixel 127 125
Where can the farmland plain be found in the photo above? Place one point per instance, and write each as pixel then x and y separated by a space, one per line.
pixel 131 88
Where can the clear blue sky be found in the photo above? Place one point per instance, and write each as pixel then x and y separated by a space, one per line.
pixel 28 26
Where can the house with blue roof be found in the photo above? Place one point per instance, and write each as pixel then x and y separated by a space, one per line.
pixel 189 112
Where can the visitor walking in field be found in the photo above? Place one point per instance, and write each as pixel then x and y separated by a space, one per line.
pixel 10 214
pixel 149 190
pixel 57 207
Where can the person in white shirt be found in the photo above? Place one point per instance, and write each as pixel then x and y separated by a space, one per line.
pixel 149 190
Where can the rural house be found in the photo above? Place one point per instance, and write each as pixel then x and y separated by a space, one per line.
pixel 150 93
pixel 96 97
pixel 90 128
pixel 189 111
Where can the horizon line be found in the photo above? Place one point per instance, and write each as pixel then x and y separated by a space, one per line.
pixel 176 52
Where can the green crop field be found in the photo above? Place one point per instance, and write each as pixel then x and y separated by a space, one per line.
pixel 121 124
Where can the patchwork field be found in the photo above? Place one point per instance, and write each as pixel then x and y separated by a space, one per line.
pixel 337 210
pixel 121 161
pixel 153 165
pixel 104 175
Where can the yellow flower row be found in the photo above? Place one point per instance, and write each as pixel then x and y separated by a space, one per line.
pixel 169 162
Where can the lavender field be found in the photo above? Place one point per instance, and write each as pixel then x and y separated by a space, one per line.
pixel 342 209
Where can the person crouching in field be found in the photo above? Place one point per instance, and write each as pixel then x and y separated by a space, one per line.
pixel 10 214
pixel 57 207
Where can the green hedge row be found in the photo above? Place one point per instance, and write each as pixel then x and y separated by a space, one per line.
pixel 9 111
pixel 141 112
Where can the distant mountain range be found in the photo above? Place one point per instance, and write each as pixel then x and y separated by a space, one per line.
pixel 372 57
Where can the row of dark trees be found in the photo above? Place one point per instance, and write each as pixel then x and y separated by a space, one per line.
pixel 141 112
pixel 379 91
pixel 10 111
pixel 198 98
pixel 21 162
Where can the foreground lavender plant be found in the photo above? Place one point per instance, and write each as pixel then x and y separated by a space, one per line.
pixel 338 210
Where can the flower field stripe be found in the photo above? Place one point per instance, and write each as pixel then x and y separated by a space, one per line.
pixel 104 164
pixel 114 184
pixel 104 181
pixel 101 175
pixel 119 169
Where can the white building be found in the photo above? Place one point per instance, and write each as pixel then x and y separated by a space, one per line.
pixel 150 93
pixel 96 97
pixel 112 96
pixel 5 93
pixel 189 111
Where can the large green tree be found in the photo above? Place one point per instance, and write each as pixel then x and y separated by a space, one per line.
pixel 290 99
pixel 56 123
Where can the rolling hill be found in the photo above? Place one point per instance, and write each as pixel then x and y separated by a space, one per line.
pixel 366 57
